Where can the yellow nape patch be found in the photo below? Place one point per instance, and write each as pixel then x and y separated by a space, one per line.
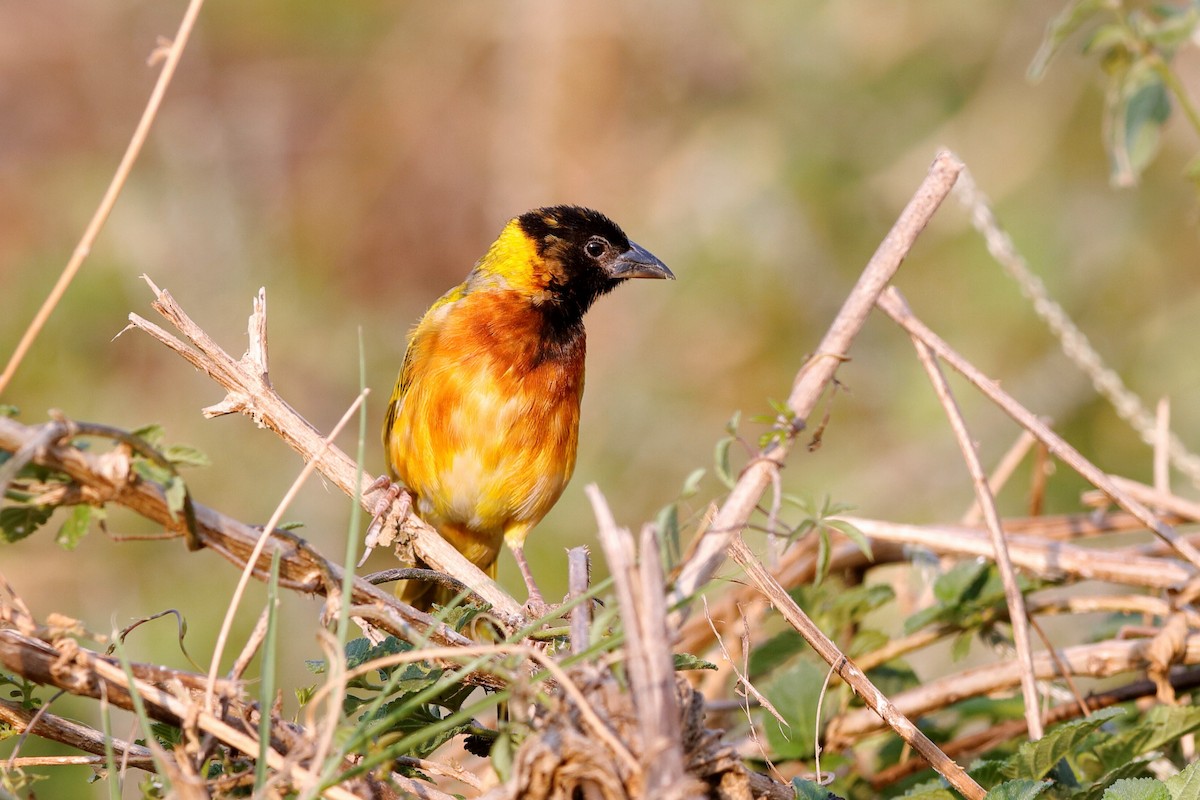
pixel 513 258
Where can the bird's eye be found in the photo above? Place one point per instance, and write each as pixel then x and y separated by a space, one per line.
pixel 595 247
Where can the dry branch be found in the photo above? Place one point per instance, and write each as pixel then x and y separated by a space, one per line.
pixel 1110 604
pixel 983 495
pixel 1093 660
pixel 1074 341
pixel 249 391
pixel 302 567
pixel 893 305
pixel 1045 558
pixel 881 709
pixel 810 383
pixel 638 579
pixel 797 566
pixel 982 741
pixel 71 733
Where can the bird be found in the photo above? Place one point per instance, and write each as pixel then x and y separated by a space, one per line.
pixel 483 423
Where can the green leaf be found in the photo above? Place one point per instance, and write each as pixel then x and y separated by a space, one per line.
pixel 731 427
pixel 1176 28
pixel 851 605
pixel 930 790
pixel 824 554
pixel 961 645
pixel 149 471
pixel 1130 769
pixel 926 616
pixel 721 461
pixel 8 410
pixel 17 522
pixel 167 735
pixel 686 661
pixel 1076 14
pixel 963 581
pixel 1023 789
pixel 1185 785
pixel 415 678
pixel 1111 42
pixel 666 525
pixel 1036 759
pixel 1137 789
pixel 775 652
pixel 1137 108
pixel 969 595
pixel 152 433
pixel 691 484
pixel 182 455
pixel 502 753
pixel 853 534
pixel 174 492
pixel 988 772
pixel 794 694
pixel 76 526
pixel 359 651
pixel 1160 726
pixel 415 721
pixel 807 790
pixel 1147 109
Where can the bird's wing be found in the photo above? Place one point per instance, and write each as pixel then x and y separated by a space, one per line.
pixel 429 320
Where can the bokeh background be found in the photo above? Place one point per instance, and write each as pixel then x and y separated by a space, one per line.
pixel 356 158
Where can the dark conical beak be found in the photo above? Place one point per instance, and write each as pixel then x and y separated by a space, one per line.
pixel 638 262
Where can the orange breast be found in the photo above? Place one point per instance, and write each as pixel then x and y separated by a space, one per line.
pixel 485 431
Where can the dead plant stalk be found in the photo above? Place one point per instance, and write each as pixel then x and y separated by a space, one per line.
pixel 893 305
pixel 173 54
pixel 812 379
pixel 983 493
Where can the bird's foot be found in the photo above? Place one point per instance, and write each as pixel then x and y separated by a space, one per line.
pixel 536 606
pixel 383 525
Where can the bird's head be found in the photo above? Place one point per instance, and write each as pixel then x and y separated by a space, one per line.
pixel 564 257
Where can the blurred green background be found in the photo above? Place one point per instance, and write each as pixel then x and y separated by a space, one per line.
pixel 356 158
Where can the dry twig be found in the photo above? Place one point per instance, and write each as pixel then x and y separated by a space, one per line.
pixel 249 391
pixel 814 377
pixel 1095 660
pixel 893 305
pixel 983 494
pixel 879 707
pixel 639 585
pixel 302 568
pixel 173 54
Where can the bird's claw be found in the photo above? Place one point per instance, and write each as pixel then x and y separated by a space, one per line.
pixel 380 532
pixel 536 607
